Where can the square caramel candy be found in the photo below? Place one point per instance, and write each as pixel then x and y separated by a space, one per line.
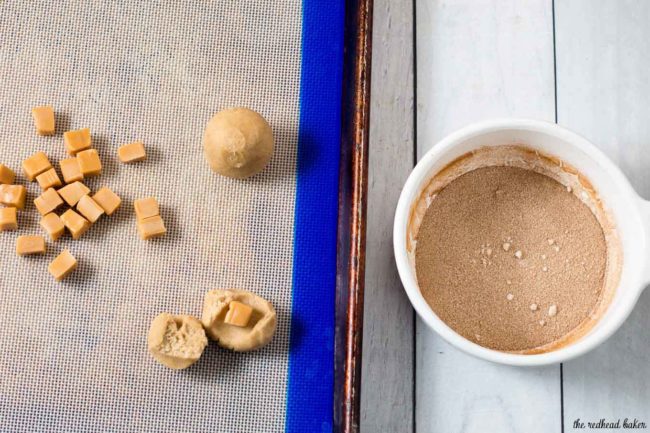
pixel 132 152
pixel 26 245
pixel 53 225
pixel 77 140
pixel 48 201
pixel 89 208
pixel 44 119
pixel 62 266
pixel 35 165
pixel 48 179
pixel 13 195
pixel 146 208
pixel 238 314
pixel 151 227
pixel 70 170
pixel 7 175
pixel 75 223
pixel 8 219
pixel 73 192
pixel 108 200
pixel 89 163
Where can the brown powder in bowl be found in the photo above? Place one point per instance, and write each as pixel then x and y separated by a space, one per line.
pixel 509 258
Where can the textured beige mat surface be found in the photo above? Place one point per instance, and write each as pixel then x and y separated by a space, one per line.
pixel 74 354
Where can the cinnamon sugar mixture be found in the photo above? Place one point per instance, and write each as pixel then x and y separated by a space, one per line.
pixel 510 258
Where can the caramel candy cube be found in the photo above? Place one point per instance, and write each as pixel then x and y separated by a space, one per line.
pixel 8 219
pixel 48 201
pixel 26 245
pixel 89 208
pixel 44 119
pixel 238 314
pixel 48 179
pixel 13 195
pixel 62 265
pixel 76 141
pixel 53 225
pixel 7 175
pixel 146 208
pixel 35 165
pixel 108 200
pixel 151 227
pixel 70 170
pixel 89 162
pixel 75 223
pixel 132 152
pixel 73 192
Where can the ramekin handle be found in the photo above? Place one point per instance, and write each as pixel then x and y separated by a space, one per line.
pixel 645 212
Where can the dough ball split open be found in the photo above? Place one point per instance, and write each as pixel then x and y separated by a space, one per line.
pixel 176 341
pixel 259 329
pixel 238 143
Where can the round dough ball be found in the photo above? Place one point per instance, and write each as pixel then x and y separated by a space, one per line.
pixel 176 341
pixel 257 333
pixel 238 143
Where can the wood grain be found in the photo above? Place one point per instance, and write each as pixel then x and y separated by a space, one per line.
pixel 603 90
pixel 387 374
pixel 478 60
pixel 488 59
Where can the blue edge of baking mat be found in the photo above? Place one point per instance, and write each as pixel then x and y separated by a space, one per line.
pixel 311 358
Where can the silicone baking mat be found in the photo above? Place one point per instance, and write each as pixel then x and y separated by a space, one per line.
pixel 74 353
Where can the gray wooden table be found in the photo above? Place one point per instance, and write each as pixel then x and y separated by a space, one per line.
pixel 438 65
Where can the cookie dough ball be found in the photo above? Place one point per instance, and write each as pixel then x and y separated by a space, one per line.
pixel 222 319
pixel 176 341
pixel 238 143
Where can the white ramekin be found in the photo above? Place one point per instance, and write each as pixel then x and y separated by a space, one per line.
pixel 630 212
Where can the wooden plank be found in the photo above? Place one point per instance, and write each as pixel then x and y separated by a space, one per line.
pixel 477 60
pixel 387 368
pixel 603 59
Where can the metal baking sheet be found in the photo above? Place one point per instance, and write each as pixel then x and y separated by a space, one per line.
pixel 75 353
